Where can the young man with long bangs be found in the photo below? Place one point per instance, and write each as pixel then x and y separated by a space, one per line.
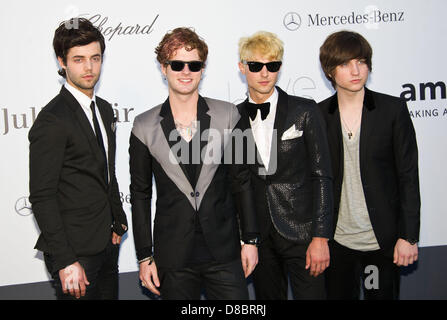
pixel 291 176
pixel 73 187
pixel 375 164
pixel 196 241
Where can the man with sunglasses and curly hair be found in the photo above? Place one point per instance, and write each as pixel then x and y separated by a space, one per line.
pixel 291 176
pixel 196 240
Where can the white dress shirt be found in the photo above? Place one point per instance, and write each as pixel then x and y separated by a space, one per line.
pixel 85 102
pixel 263 129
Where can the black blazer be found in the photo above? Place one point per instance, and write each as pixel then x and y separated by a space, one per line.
pixel 213 199
pixel 297 195
pixel 388 165
pixel 72 204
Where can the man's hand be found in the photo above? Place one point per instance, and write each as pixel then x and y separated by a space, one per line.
pixel 405 253
pixel 317 256
pixel 249 257
pixel 116 239
pixel 74 280
pixel 149 276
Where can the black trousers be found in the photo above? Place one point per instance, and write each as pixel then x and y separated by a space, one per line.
pixel 350 270
pixel 101 271
pixel 221 281
pixel 280 259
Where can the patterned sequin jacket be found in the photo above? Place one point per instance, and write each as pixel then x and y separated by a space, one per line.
pixel 295 195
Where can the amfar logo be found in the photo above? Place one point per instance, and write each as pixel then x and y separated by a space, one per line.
pixel 419 93
pixel 292 21
pixel 414 92
pixel 23 207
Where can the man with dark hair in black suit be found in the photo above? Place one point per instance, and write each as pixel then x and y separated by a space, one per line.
pixel 73 188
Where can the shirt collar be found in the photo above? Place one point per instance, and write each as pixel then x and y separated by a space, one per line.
pixel 273 99
pixel 202 108
pixel 82 98
pixel 368 101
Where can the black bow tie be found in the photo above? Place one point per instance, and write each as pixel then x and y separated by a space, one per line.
pixel 252 109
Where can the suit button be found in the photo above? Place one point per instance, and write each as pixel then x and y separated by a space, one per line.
pixel 197 194
pixel 192 194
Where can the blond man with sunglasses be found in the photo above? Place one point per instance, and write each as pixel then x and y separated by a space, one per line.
pixel 196 242
pixel 291 176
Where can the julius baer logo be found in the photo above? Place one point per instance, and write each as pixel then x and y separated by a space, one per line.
pixel 10 121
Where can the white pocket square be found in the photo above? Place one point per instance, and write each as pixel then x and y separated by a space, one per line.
pixel 291 133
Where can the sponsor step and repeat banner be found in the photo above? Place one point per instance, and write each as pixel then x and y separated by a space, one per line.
pixel 408 39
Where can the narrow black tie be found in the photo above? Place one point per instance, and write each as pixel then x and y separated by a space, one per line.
pixel 100 141
pixel 252 109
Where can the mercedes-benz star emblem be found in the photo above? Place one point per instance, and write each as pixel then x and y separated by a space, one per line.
pixel 292 21
pixel 23 206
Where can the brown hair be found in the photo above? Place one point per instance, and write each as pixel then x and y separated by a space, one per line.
pixel 341 47
pixel 72 33
pixel 177 39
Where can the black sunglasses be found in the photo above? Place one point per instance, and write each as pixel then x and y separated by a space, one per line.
pixel 177 65
pixel 254 66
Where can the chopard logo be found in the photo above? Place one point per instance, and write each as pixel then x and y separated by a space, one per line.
pixel 103 24
pixel 23 207
pixel 292 21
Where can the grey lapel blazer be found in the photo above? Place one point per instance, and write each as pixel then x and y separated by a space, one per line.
pixel 220 189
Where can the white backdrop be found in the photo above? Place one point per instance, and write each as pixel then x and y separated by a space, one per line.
pixel 408 38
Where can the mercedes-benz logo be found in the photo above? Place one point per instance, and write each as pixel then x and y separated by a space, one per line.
pixel 292 21
pixel 23 206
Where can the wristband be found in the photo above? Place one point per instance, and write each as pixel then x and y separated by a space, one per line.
pixel 150 259
pixel 254 241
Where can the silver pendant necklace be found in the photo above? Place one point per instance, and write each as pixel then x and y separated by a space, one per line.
pixel 350 132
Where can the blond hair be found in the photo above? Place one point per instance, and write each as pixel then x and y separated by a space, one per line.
pixel 264 43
